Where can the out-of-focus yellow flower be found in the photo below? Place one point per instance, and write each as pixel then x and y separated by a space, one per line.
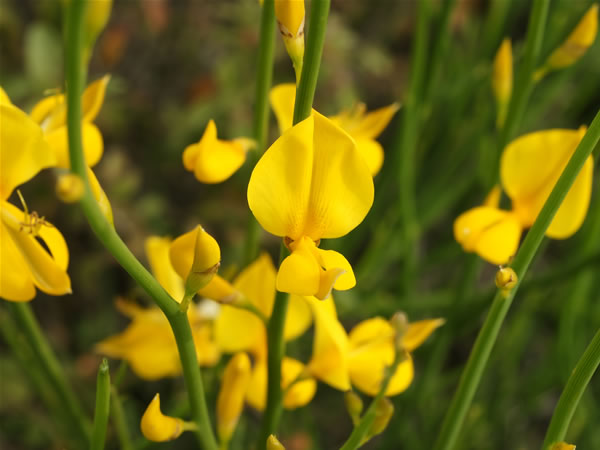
pixel 51 115
pixel 562 446
pixel 502 79
pixel 69 188
pixel 493 233
pixel 230 402
pixel 575 46
pixel 363 126
pixel 148 343
pixel 157 427
pixel 24 262
pixel 311 184
pixel 214 160
pixel 290 19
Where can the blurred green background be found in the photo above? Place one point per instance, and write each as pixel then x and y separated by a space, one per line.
pixel 177 64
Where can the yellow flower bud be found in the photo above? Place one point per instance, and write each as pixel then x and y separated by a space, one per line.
pixel 383 414
pixel 231 396
pixel 354 406
pixel 157 427
pixel 69 188
pixel 207 258
pixel 506 279
pixel 502 79
pixel 576 44
pixel 274 444
pixel 96 18
pixel 290 18
pixel 562 446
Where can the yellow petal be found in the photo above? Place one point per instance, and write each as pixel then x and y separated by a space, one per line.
pixel 502 77
pixel 529 183
pixel 302 392
pixel 48 274
pixel 4 98
pixel 256 395
pixel 300 273
pixel 237 329
pixel 213 160
pixel 419 331
pixel 329 362
pixel 333 260
pixel 311 182
pixel 93 98
pixel 16 283
pixel 230 401
pixel 218 290
pixel 372 152
pixel 50 113
pixel 23 150
pixel 157 251
pixel 207 351
pixel 491 233
pixel 493 198
pixel 257 283
pixel 282 98
pixel 290 14
pixel 93 144
pixel 297 319
pixel 156 426
pixel 369 125
pixel 100 196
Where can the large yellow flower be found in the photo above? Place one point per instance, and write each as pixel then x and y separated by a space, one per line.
pixel 363 126
pixel 529 169
pixel 148 343
pixel 24 262
pixel 311 184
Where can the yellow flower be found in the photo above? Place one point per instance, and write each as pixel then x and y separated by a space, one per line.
pixel 362 126
pixel 576 44
pixel 51 115
pixel 493 233
pixel 230 402
pixel 148 343
pixel 157 427
pixel 214 160
pixel 24 262
pixel 502 79
pixel 311 184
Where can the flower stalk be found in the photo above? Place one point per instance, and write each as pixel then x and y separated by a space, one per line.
pixel 488 334
pixel 111 240
pixel 102 407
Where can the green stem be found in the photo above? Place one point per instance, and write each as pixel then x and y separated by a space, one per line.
pixel 37 341
pixel 312 59
pixel 489 332
pixel 569 399
pixel 264 77
pixel 113 243
pixel 102 407
pixel 524 82
pixel 360 431
pixel 275 354
pixel 119 420
pixel 409 130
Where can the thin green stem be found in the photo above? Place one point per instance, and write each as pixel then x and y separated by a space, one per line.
pixel 102 407
pixel 119 420
pixel 312 59
pixel 113 243
pixel 488 334
pixel 569 399
pixel 52 367
pixel 360 431
pixel 264 77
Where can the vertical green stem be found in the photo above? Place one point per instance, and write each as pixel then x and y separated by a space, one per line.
pixel 36 339
pixel 102 407
pixel 480 353
pixel 119 420
pixel 569 399
pixel 113 243
pixel 407 139
pixel 264 77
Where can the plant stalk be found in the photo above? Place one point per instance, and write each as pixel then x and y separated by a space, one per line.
pixel 102 407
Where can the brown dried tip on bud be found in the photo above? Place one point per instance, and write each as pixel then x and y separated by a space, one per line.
pixel 383 414
pixel 69 188
pixel 506 278
pixel 562 446
pixel 354 406
pixel 274 444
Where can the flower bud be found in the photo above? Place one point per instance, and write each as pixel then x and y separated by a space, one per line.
pixel 354 406
pixel 274 444
pixel 502 79
pixel 96 17
pixel 383 414
pixel 231 396
pixel 157 427
pixel 575 46
pixel 290 18
pixel 69 188
pixel 562 446
pixel 207 258
pixel 506 278
pixel 399 322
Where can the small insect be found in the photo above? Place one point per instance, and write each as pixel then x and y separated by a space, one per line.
pixel 33 222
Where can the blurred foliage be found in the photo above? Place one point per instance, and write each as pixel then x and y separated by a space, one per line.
pixel 175 65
